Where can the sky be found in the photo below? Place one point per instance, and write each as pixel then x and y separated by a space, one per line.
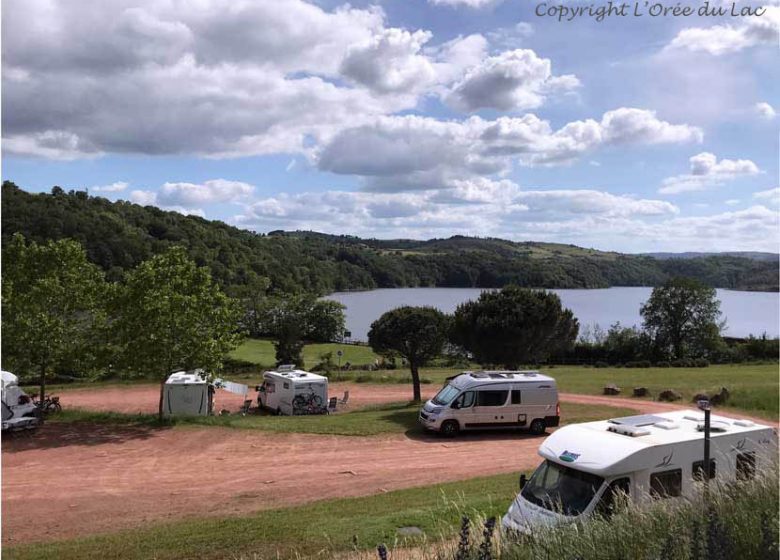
pixel 406 118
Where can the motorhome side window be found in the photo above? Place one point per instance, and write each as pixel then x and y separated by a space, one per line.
pixel 667 484
pixel 270 388
pixel 516 397
pixel 612 495
pixel 491 398
pixel 746 466
pixel 698 469
pixel 465 400
pixel 286 385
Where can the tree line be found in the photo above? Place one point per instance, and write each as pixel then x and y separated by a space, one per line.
pixel 118 236
pixel 515 326
pixel 61 315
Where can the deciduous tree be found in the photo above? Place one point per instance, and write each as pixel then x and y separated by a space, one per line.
pixel 171 315
pixel 682 318
pixel 514 326
pixel 416 333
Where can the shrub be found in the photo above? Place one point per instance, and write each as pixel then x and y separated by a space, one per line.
pixel 638 364
pixel 663 364
pixel 683 362
pixel 701 362
pixel 601 365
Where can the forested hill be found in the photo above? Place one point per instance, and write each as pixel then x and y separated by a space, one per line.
pixel 119 235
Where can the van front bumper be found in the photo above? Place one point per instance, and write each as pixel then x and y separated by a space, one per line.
pixel 429 421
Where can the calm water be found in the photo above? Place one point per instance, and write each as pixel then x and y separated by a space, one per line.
pixel 745 312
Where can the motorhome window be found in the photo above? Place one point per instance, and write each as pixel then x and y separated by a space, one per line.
pixel 286 385
pixel 667 484
pixel 491 398
pixel 466 400
pixel 560 488
pixel 610 499
pixel 698 469
pixel 516 397
pixel 270 388
pixel 446 395
pixel 746 466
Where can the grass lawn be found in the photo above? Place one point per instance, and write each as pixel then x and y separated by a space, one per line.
pixel 262 353
pixel 385 419
pixel 319 529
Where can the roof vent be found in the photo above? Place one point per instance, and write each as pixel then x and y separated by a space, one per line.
pixel 715 426
pixel 286 367
pixel 637 421
pixel 744 423
pixel 668 425
pixel 631 431
pixel 693 418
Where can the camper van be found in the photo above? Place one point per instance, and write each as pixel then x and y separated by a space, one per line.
pixel 188 393
pixel 587 466
pixel 493 399
pixel 292 391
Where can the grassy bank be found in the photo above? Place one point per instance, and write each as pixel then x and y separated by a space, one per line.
pixel 262 352
pixel 384 419
pixel 315 530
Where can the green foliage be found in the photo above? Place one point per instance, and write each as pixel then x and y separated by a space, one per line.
pixel 416 333
pixel 119 235
pixel 681 317
pixel 514 326
pixel 170 315
pixel 53 308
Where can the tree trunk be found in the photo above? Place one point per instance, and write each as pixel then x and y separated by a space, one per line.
pixel 415 380
pixel 43 382
pixel 162 394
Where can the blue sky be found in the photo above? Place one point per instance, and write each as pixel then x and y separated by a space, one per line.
pixel 404 118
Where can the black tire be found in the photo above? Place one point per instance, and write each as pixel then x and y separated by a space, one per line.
pixel 449 428
pixel 278 411
pixel 538 427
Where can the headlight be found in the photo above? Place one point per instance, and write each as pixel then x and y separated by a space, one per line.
pixel 435 411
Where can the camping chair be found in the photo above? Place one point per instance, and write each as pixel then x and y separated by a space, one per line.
pixel 345 400
pixel 332 403
pixel 245 407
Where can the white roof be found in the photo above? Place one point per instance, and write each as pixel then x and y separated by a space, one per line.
pixel 192 377
pixel 598 446
pixel 296 375
pixel 9 378
pixel 469 379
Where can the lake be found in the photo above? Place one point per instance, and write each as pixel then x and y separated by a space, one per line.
pixel 745 312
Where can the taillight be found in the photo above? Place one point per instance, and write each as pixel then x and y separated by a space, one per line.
pixel 557 409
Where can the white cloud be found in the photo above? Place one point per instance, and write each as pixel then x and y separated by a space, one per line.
pixel 391 62
pixel 765 110
pixel 476 4
pixel 513 80
pixel 411 152
pixel 723 39
pixel 118 186
pixel 510 37
pixel 144 198
pixel 733 201
pixel 475 207
pixel 707 171
pixel 771 196
pixel 209 192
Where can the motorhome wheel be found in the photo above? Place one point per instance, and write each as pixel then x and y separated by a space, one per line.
pixel 450 428
pixel 538 427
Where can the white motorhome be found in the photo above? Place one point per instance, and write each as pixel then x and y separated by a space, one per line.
pixel 493 399
pixel 292 391
pixel 188 393
pixel 14 397
pixel 586 466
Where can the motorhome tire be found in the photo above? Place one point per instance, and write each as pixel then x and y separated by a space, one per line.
pixel 538 427
pixel 278 411
pixel 450 428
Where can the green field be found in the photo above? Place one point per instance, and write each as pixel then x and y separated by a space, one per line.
pixel 319 529
pixel 385 419
pixel 262 353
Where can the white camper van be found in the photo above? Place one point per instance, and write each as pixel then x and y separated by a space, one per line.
pixel 493 399
pixel 291 391
pixel 14 397
pixel 648 456
pixel 188 393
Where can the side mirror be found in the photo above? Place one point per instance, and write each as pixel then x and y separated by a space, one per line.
pixel 523 480
pixel 456 405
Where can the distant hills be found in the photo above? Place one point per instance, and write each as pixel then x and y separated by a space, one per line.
pixel 119 235
pixel 752 255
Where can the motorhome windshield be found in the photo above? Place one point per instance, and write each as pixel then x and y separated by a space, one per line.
pixel 446 395
pixel 561 489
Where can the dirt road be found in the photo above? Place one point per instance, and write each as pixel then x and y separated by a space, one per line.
pixel 86 479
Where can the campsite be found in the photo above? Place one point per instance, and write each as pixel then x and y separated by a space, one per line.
pixel 369 454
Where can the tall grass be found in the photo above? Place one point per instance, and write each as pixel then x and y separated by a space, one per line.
pixel 731 521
